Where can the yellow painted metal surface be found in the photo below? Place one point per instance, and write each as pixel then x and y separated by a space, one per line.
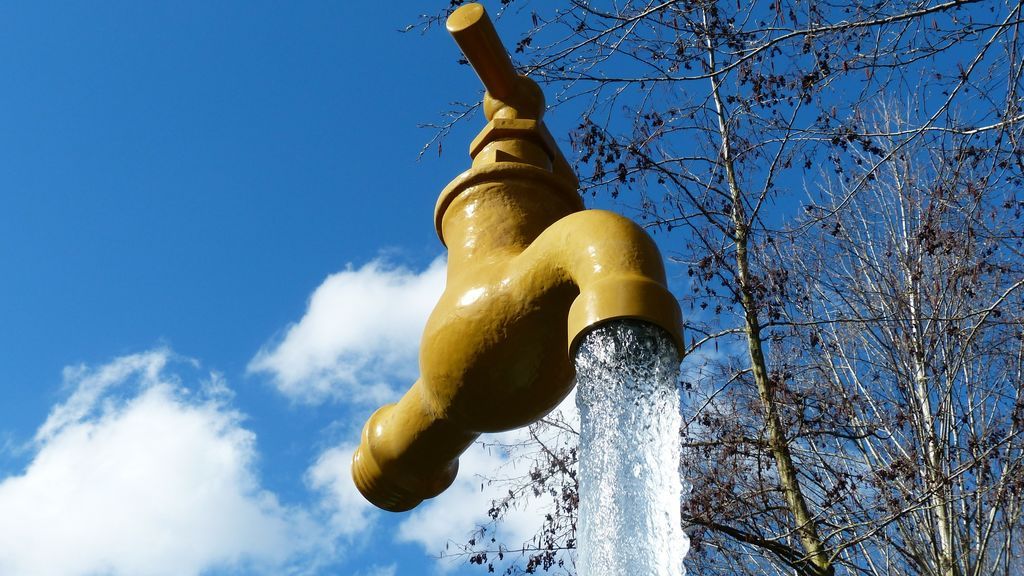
pixel 529 272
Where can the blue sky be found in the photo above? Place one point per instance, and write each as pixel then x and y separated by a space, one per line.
pixel 216 255
pixel 217 251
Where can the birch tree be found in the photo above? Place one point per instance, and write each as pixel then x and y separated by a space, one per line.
pixel 914 291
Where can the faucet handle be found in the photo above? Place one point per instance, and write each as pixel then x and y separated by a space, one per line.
pixel 474 32
pixel 509 96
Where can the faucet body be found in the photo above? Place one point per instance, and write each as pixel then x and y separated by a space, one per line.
pixel 529 272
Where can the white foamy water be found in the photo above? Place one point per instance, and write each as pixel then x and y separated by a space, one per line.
pixel 629 485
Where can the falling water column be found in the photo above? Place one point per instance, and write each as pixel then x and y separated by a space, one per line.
pixel 629 484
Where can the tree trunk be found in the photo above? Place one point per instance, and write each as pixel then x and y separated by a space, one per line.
pixel 818 562
pixel 934 471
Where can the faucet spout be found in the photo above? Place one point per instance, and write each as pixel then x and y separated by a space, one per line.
pixel 529 273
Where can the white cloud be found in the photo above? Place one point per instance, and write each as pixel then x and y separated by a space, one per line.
pixel 90 387
pixel 454 515
pixel 349 514
pixel 148 483
pixel 359 335
pixel 389 570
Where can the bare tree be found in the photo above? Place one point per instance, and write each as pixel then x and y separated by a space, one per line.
pixel 914 286
pixel 712 122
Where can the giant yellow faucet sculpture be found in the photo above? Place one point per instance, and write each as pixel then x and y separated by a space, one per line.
pixel 529 272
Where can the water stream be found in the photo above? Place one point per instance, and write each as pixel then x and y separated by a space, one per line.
pixel 629 482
